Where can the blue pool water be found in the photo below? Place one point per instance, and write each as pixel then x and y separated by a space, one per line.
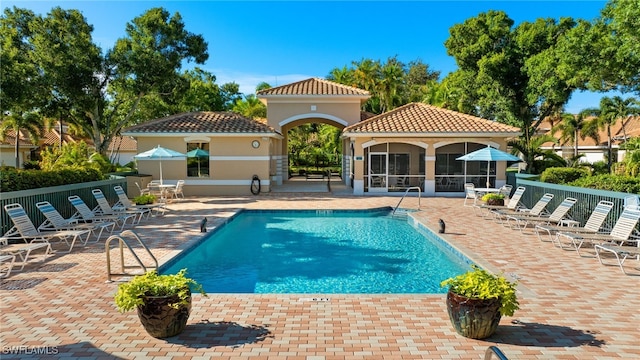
pixel 349 252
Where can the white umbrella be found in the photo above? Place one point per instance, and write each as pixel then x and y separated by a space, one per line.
pixel 488 154
pixel 159 153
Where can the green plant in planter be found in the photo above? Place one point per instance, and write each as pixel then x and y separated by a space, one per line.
pixel 492 197
pixel 132 294
pixel 480 284
pixel 144 199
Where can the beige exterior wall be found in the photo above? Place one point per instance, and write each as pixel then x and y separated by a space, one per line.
pixel 339 113
pixel 378 144
pixel 8 156
pixel 232 163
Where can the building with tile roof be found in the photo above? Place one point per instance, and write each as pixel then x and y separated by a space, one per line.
pixel 593 149
pixel 121 149
pixel 413 145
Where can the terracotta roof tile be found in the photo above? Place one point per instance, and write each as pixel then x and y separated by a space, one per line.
pixel 423 118
pixel 123 143
pixel 10 139
pixel 201 122
pixel 313 86
pixel 631 127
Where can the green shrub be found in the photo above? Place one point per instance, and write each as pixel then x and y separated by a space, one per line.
pixel 562 175
pixel 492 196
pixel 16 180
pixel 626 184
pixel 144 199
pixel 599 168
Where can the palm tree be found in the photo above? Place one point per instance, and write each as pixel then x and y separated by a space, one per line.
pixel 612 109
pixel 30 122
pixel 250 107
pixel 390 82
pixel 570 128
pixel 532 150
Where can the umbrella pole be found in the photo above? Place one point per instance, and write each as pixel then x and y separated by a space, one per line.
pixel 160 171
pixel 488 172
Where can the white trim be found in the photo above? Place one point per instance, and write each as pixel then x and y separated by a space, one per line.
pixel 417 143
pixel 265 182
pixel 430 135
pixel 313 115
pixel 189 139
pixel 466 140
pixel 177 158
pixel 239 158
pixel 210 135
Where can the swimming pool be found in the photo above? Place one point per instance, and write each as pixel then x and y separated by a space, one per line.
pixel 320 251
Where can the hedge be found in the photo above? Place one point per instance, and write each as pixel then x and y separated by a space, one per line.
pixel 12 179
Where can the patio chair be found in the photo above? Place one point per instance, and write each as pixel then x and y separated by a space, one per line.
pixel 521 221
pixel 25 229
pixel 84 214
pixel 104 208
pixel 10 260
pixel 593 224
pixel 470 193
pixel 513 204
pixel 55 221
pixel 620 252
pixel 505 190
pixel 177 191
pixel 536 210
pixel 620 232
pixel 141 190
pixel 125 204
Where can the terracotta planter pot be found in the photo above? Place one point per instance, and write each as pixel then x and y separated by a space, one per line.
pixel 473 318
pixel 161 320
pixel 495 202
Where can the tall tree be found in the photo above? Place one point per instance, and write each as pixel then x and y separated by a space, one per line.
pixel 612 110
pixel 21 83
pixel 102 93
pixel 508 69
pixel 570 128
pixel 250 107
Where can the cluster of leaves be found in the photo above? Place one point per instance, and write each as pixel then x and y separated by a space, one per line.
pixel 144 199
pixel 77 154
pixel 16 180
pixel 132 293
pixel 563 175
pixel 492 196
pixel 625 184
pixel 391 84
pixel 480 284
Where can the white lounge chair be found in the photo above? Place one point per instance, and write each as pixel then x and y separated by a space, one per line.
pixel 536 210
pixel 23 251
pixel 621 253
pixel 104 208
pixel 522 220
pixel 55 221
pixel 620 233
pixel 9 260
pixel 84 214
pixel 513 204
pixel 593 224
pixel 125 204
pixel 24 229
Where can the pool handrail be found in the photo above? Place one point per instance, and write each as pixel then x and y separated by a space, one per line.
pixel 405 194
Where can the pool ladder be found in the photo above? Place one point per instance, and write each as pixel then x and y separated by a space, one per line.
pixel 494 350
pixel 122 242
pixel 405 194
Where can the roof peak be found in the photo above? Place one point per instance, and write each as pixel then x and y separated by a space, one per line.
pixel 314 86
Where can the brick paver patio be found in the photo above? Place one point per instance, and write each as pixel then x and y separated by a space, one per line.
pixel 571 307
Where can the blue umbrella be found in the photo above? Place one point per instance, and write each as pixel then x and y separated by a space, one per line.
pixel 159 153
pixel 198 153
pixel 488 154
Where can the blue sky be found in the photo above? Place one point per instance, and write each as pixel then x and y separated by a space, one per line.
pixel 286 41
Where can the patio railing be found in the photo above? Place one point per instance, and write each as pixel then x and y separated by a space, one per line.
pixel 587 199
pixel 57 196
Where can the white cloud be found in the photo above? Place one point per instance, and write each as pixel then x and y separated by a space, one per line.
pixel 249 81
